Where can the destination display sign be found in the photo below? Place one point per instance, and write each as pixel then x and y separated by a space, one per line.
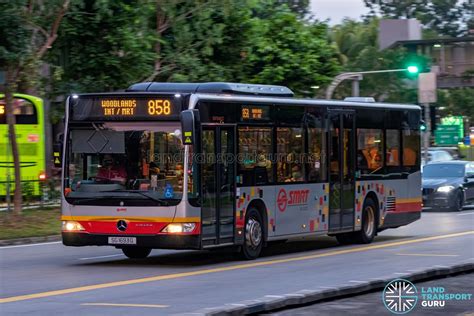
pixel 255 113
pixel 111 108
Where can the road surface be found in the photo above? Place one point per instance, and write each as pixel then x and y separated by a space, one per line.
pixel 47 279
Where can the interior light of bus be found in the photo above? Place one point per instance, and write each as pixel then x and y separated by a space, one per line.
pixel 177 95
pixel 71 226
pixel 177 228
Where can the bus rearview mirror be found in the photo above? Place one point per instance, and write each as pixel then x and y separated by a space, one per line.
pixel 189 123
pixel 57 151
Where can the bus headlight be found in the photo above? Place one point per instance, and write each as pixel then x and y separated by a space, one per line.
pixel 71 226
pixel 176 228
pixel 445 189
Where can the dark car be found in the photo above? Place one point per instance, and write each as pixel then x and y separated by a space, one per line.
pixel 448 185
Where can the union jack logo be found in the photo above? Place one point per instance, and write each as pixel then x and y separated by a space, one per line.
pixel 400 296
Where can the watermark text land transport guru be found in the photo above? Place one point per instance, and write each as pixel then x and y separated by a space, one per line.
pixel 401 296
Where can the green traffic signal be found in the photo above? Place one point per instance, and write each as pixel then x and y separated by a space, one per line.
pixel 422 126
pixel 412 69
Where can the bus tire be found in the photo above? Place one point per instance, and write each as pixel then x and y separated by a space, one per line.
pixel 369 223
pixel 254 235
pixel 136 252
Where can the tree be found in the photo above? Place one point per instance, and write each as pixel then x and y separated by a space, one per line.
pixel 445 17
pixel 103 46
pixel 286 50
pixel 28 29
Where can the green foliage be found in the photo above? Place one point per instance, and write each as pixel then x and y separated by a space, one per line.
pixel 289 51
pixel 107 45
pixel 14 33
pixel 103 46
pixel 457 102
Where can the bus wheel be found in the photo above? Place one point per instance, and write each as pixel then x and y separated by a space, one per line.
pixel 253 243
pixel 369 224
pixel 136 252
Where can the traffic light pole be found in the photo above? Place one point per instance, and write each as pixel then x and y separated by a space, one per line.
pixel 355 77
pixel 427 133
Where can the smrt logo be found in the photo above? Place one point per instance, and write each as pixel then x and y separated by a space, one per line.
pixel 400 296
pixel 297 197
pixel 282 200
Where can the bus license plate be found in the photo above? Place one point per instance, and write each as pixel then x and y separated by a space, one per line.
pixel 122 240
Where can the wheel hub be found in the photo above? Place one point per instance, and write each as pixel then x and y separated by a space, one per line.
pixel 369 222
pixel 253 233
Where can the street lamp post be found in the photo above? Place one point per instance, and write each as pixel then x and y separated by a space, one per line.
pixel 358 76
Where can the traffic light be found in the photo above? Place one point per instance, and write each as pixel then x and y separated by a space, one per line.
pixel 422 126
pixel 413 69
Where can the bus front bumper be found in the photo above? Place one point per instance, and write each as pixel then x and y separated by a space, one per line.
pixel 397 219
pixel 79 239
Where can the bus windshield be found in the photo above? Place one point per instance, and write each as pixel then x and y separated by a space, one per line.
pixel 125 164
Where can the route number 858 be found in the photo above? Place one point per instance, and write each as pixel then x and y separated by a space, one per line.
pixel 159 107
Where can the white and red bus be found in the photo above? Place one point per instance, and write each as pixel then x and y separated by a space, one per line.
pixel 205 165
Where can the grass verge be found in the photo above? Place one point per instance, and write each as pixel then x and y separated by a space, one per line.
pixel 31 223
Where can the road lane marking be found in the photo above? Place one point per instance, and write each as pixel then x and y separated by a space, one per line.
pixel 31 245
pixel 101 257
pixel 223 269
pixel 425 255
pixel 126 305
pixel 470 213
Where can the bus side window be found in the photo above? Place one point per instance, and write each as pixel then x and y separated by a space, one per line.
pixel 370 149
pixel 290 147
pixel 255 155
pixel 411 148
pixel 24 110
pixel 393 148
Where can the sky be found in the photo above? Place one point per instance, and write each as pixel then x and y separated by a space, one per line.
pixel 336 10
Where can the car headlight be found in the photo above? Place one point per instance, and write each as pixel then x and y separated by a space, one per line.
pixel 445 189
pixel 72 226
pixel 177 228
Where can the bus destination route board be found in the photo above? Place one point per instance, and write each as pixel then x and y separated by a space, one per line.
pixel 106 108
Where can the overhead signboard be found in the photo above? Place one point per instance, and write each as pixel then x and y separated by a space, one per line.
pixel 447 135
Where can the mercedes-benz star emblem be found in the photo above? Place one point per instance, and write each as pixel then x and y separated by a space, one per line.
pixel 122 225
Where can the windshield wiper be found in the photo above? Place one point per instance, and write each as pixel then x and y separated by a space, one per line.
pixel 79 201
pixel 161 201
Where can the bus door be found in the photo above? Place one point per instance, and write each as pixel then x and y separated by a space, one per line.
pixel 218 184
pixel 341 170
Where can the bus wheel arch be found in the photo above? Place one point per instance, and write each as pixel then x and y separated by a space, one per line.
pixel 254 231
pixel 370 213
pixel 371 204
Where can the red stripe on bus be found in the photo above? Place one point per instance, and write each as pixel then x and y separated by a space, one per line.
pixel 133 228
pixel 408 207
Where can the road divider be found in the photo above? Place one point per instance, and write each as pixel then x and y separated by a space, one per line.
pixel 271 303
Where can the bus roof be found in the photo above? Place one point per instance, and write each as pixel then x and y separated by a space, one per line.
pixel 213 88
pixel 306 102
pixel 255 93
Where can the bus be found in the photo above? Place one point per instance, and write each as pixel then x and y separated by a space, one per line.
pixel 206 165
pixel 30 135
